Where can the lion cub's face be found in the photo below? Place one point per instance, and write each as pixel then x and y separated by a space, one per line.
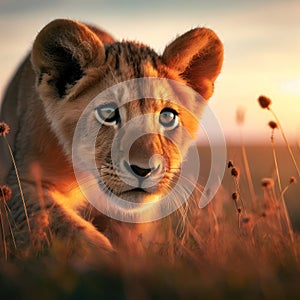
pixel 140 142
pixel 140 146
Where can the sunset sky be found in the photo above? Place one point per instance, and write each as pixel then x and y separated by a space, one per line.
pixel 261 40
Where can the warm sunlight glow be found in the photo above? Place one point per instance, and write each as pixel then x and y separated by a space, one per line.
pixel 72 199
pixel 291 86
pixel 261 53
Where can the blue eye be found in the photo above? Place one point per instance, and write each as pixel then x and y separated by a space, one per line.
pixel 108 114
pixel 168 118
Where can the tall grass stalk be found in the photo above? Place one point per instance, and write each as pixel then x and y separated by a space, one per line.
pixel 265 103
pixel 286 141
pixel 5 195
pixel 287 218
pixel 19 182
pixel 3 235
pixel 235 176
pixel 6 208
pixel 248 175
pixel 271 201
pixel 240 118
pixel 275 160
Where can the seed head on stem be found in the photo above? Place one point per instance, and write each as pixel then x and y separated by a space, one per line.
pixel 5 193
pixel 230 164
pixel 264 102
pixel 234 172
pixel 4 129
pixel 273 125
pixel 267 182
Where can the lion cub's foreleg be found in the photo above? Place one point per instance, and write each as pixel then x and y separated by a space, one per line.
pixel 52 223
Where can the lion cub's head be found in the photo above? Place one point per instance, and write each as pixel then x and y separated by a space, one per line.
pixel 149 135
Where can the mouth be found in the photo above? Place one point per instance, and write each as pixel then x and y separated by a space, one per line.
pixel 131 194
pixel 137 195
pixel 137 190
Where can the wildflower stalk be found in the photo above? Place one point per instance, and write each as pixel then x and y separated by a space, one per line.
pixel 3 235
pixel 235 197
pixel 287 218
pixel 5 195
pixel 19 182
pixel 265 103
pixel 285 140
pixel 10 228
pixel 271 202
pixel 235 174
pixel 248 175
pixel 239 218
pixel 275 161
pixel 237 194
pixel 240 118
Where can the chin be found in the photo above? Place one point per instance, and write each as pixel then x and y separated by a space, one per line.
pixel 140 196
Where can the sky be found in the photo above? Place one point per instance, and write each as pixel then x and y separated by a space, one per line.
pixel 261 41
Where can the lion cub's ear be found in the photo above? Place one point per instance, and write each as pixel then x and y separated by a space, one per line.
pixel 198 56
pixel 62 53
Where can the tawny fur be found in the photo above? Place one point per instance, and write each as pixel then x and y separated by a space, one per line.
pixel 71 63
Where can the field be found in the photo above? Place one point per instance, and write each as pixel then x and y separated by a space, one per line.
pixel 261 165
pixel 245 244
pixel 229 250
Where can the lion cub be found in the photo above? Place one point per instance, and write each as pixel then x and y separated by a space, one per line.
pixel 70 64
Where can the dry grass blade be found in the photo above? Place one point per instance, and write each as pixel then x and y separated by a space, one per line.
pixel 19 182
pixel 275 160
pixel 286 142
pixel 240 118
pixel 265 103
pixel 3 234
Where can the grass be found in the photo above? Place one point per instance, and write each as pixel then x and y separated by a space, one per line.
pixel 242 245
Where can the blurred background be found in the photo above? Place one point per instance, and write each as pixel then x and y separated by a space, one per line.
pixel 262 56
pixel 261 39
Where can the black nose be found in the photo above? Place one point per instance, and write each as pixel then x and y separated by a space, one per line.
pixel 140 171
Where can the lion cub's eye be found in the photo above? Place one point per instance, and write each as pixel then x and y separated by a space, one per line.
pixel 108 114
pixel 168 118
